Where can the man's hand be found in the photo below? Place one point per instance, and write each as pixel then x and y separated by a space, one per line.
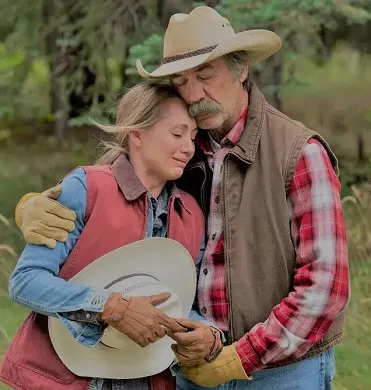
pixel 199 344
pixel 226 367
pixel 44 221
pixel 137 317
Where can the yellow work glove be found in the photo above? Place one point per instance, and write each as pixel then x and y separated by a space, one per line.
pixel 44 221
pixel 226 367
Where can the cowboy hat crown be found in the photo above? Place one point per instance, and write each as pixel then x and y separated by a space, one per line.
pixel 204 35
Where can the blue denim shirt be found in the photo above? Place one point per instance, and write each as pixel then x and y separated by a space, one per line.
pixel 35 284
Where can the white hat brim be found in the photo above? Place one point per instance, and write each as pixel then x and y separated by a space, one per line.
pixel 259 45
pixel 162 258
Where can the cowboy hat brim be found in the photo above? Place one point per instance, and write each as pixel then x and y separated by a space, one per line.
pixel 259 45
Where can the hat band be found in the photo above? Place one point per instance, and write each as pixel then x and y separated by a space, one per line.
pixel 208 49
pixel 127 277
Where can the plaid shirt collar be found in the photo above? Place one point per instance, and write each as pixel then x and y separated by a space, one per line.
pixel 206 143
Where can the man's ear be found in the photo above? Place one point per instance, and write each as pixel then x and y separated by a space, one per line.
pixel 244 74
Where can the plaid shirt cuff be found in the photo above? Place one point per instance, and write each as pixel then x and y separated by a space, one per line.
pixel 249 358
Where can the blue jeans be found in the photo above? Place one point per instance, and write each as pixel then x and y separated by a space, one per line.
pixel 316 373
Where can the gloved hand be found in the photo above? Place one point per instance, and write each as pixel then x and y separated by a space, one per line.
pixel 44 221
pixel 226 367
pixel 137 317
pixel 199 344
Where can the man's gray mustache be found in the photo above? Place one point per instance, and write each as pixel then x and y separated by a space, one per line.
pixel 202 106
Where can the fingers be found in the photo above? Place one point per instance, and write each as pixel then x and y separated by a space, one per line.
pixel 37 239
pixel 53 192
pixel 189 324
pixel 147 327
pixel 59 210
pixel 51 232
pixel 143 326
pixel 54 221
pixel 159 298
pixel 170 323
pixel 132 332
pixel 186 338
pixel 159 331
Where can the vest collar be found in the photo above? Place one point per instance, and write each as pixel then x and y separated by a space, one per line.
pixel 128 181
pixel 130 184
pixel 247 147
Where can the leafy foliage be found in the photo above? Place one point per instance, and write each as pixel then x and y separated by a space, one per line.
pixel 82 52
pixel 81 37
pixel 149 52
pixel 298 23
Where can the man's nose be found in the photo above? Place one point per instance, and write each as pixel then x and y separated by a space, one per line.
pixel 193 91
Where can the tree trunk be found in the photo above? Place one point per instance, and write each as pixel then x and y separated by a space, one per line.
pixel 361 149
pixel 63 61
pixel 81 97
pixel 55 61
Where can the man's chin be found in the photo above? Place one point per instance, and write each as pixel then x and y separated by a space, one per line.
pixel 209 122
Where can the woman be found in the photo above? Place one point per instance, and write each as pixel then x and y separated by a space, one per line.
pixel 154 141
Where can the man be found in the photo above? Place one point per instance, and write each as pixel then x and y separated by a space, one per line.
pixel 274 276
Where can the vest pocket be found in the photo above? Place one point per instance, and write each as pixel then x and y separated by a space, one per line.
pixel 32 350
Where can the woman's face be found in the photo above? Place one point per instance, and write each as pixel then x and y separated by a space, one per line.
pixel 166 148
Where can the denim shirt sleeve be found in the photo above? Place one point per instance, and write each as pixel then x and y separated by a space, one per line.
pixel 35 284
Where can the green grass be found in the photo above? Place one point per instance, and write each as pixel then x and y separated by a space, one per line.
pixel 353 356
pixel 334 99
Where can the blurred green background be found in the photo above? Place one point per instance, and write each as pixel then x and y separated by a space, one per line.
pixel 63 63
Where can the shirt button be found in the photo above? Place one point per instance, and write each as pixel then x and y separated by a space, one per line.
pixel 217 199
pixel 205 271
pixel 204 310
pixel 213 236
pixel 87 316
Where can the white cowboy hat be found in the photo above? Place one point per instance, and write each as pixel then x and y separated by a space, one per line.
pixel 145 267
pixel 204 35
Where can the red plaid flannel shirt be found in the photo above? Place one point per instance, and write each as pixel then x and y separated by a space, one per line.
pixel 320 287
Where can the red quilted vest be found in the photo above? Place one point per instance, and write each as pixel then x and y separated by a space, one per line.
pixel 116 215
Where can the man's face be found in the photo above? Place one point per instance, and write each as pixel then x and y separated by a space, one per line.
pixel 214 96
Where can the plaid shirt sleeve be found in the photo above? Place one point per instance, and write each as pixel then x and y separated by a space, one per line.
pixel 321 285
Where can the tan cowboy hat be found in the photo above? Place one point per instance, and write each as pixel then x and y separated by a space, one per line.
pixel 144 267
pixel 204 35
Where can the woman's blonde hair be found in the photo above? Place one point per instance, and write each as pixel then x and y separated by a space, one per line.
pixel 138 109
